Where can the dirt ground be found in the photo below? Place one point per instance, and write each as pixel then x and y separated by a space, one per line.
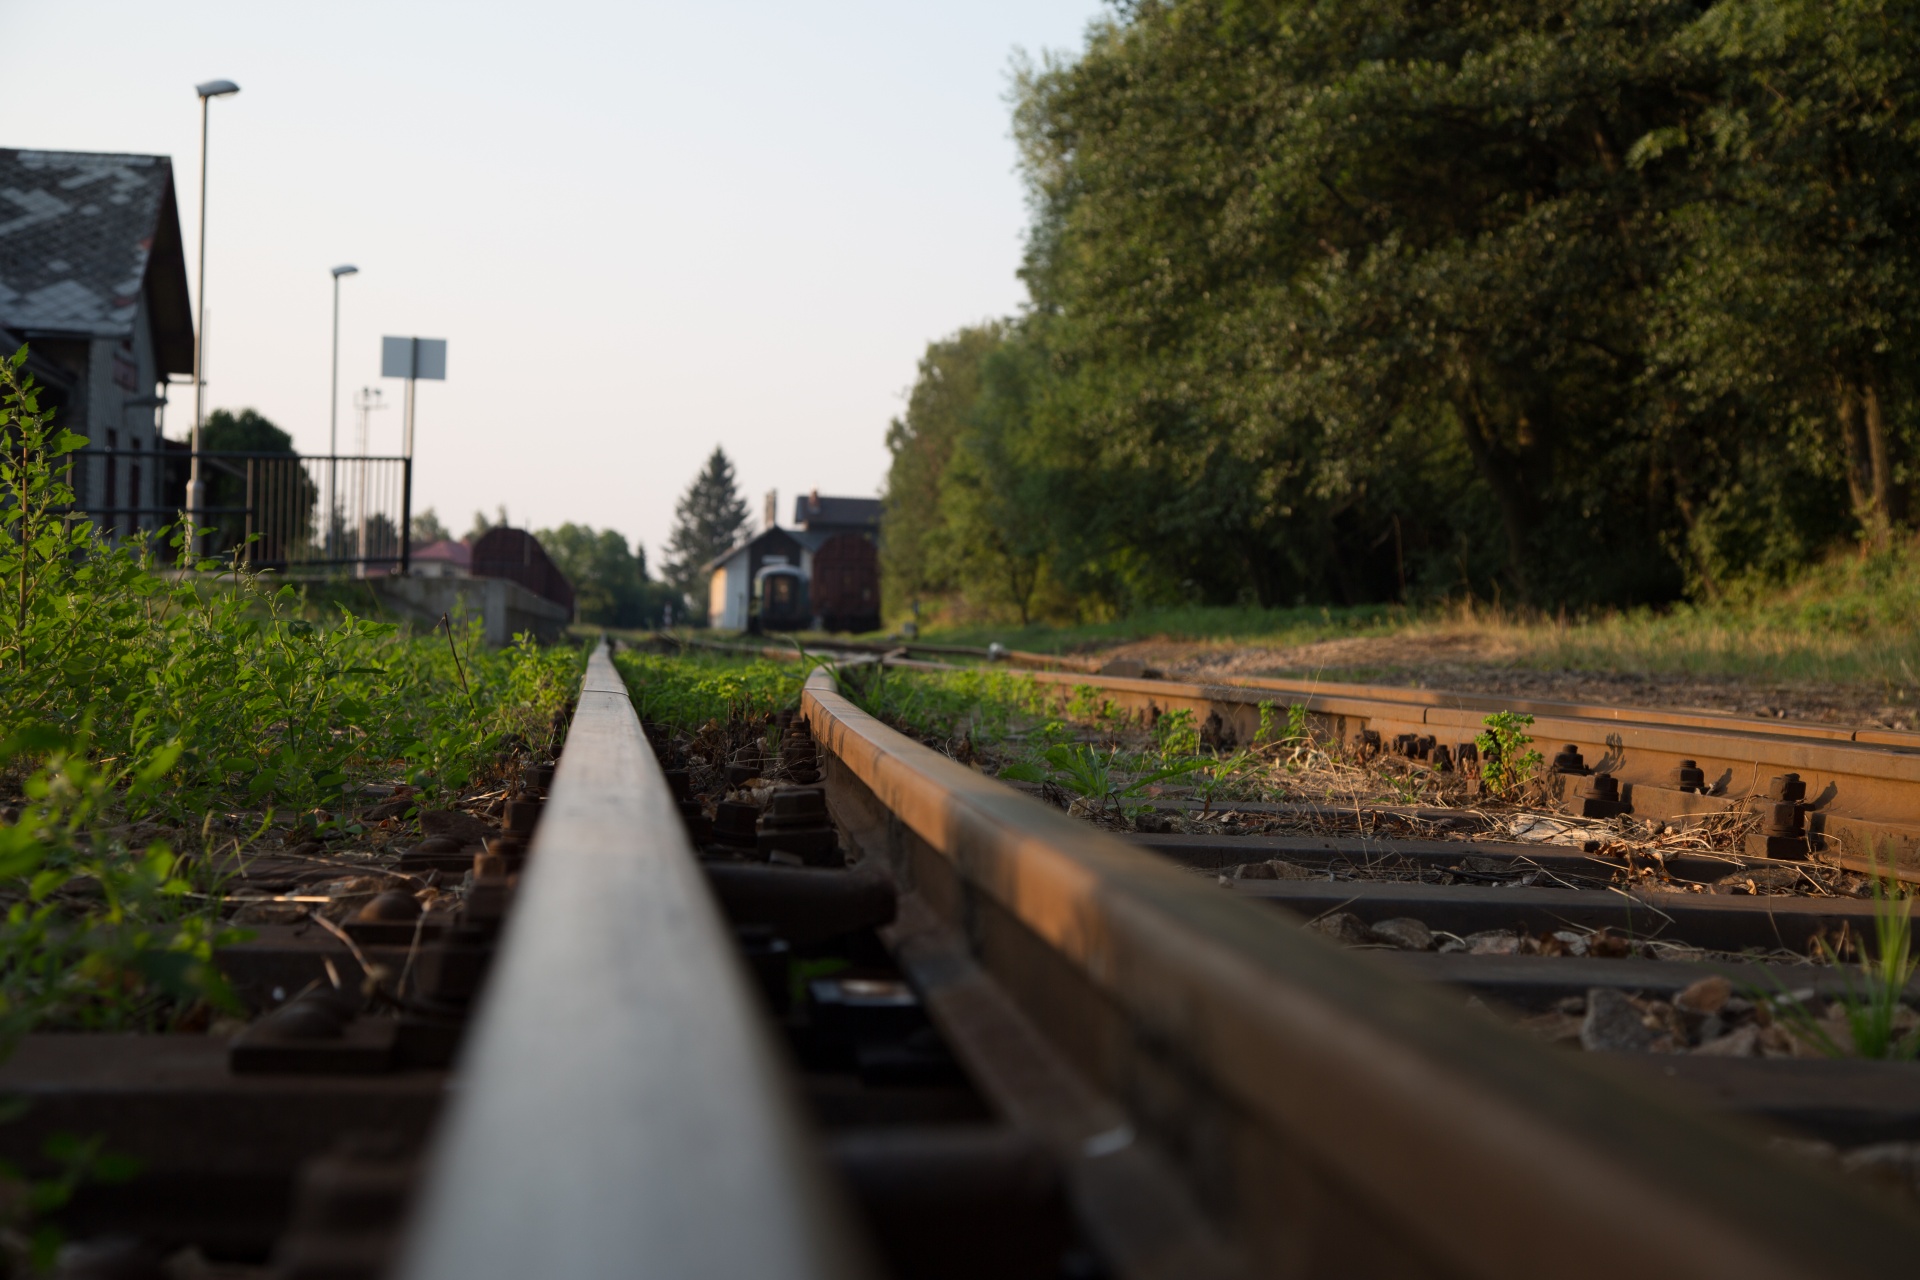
pixel 1478 663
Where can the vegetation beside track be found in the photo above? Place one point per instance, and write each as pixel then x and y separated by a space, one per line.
pixel 688 689
pixel 157 728
pixel 1848 624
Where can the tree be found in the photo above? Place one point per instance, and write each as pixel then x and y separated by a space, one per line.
pixel 921 442
pixel 1326 287
pixel 1797 287
pixel 1401 299
pixel 481 524
pixel 427 528
pixel 610 581
pixel 709 518
pixel 283 505
pixel 247 431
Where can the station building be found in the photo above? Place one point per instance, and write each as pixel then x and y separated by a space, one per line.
pixel 821 575
pixel 93 279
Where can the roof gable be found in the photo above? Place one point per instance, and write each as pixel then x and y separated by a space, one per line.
pixel 767 540
pixel 81 234
pixel 811 510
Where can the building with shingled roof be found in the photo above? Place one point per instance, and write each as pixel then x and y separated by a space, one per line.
pixel 93 278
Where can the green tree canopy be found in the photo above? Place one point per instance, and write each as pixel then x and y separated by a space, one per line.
pixel 481 523
pixel 609 579
pixel 247 431
pixel 426 527
pixel 1397 299
pixel 709 518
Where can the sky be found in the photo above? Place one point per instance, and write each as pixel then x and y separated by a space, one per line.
pixel 643 229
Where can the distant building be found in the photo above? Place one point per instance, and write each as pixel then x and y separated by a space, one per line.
pixel 505 578
pixel 516 555
pixel 822 576
pixel 443 559
pixel 92 277
pixel 816 514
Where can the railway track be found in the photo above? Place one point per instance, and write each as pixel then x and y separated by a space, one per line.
pixel 1847 797
pixel 879 1015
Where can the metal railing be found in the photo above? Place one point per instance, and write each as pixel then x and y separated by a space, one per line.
pixel 275 510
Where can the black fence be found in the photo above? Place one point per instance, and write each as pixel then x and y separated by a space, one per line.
pixel 276 510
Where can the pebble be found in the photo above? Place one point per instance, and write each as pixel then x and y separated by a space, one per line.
pixel 1343 926
pixel 1614 1024
pixel 1707 996
pixel 1405 933
pixel 1492 942
pixel 1741 1042
pixel 452 822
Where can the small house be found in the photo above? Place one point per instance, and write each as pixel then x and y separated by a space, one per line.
pixel 443 559
pixel 822 576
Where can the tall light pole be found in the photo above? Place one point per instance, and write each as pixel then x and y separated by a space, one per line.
pixel 196 493
pixel 333 408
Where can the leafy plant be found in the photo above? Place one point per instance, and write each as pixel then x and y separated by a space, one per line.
pixel 1176 734
pixel 1103 779
pixel 33 491
pixel 26 1202
pixel 1507 759
pixel 1087 704
pixel 687 690
pixel 188 700
pixel 1214 777
pixel 97 935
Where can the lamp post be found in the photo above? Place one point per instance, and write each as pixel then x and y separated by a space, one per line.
pixel 333 408
pixel 196 493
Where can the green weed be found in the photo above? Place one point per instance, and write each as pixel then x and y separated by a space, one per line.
pixel 1106 780
pixel 1176 734
pixel 687 690
pixel 1507 758
pixel 189 701
pixel 1873 1010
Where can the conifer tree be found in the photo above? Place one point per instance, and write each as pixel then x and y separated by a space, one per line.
pixel 709 518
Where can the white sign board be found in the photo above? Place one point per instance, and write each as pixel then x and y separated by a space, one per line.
pixel 414 358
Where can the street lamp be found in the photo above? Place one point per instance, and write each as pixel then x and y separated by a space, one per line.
pixel 333 408
pixel 196 493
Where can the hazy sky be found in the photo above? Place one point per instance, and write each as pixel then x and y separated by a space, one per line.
pixel 644 229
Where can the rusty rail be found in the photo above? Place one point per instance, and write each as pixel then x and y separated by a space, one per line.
pixel 1319 1113
pixel 1862 786
pixel 1863 797
pixel 622 1109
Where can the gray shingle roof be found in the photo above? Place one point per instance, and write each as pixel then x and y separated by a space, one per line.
pixel 811 509
pixel 78 233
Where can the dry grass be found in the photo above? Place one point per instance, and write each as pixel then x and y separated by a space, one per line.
pixel 1844 633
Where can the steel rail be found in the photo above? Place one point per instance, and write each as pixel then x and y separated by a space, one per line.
pixel 1331 1115
pixel 1863 786
pixel 1077 671
pixel 622 1109
pixel 1863 798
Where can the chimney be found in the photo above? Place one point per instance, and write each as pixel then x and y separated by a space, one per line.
pixel 772 516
